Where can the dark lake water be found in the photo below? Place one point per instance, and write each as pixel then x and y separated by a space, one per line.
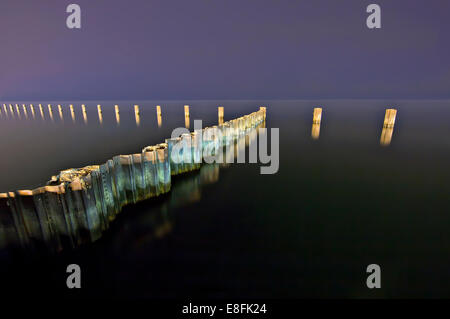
pixel 337 204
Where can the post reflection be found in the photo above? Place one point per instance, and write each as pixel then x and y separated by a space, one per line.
pixel 386 136
pixel 116 109
pixel 11 110
pixel 315 131
pixel 100 116
pixel 60 112
pixel 32 111
pixel 41 111
pixel 18 111
pixel 83 110
pixel 72 113
pixel 25 111
pixel 50 112
pixel 159 121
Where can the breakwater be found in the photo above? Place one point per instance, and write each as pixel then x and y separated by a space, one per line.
pixel 78 205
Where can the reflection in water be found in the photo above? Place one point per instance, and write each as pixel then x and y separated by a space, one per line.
pixel 32 110
pixel 66 213
pixel 42 111
pixel 25 111
pixel 315 131
pixel 18 111
pixel 137 115
pixel 388 127
pixel 220 110
pixel 60 112
pixel 116 110
pixel 156 220
pixel 100 116
pixel 50 112
pixel 83 110
pixel 159 120
pixel 72 113
pixel 386 136
pixel 187 122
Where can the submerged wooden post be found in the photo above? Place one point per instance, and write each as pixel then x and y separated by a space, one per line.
pixel 158 115
pixel 5 110
pixel 25 110
pixel 263 108
pixel 17 110
pixel 220 111
pixel 317 118
pixel 388 127
pixel 32 110
pixel 83 110
pixel 60 112
pixel 41 111
pixel 50 111
pixel 186 116
pixel 116 109
pixel 100 116
pixel 389 117
pixel 137 115
pixel 317 115
pixel 72 113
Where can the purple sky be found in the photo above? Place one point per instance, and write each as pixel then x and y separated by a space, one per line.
pixel 224 49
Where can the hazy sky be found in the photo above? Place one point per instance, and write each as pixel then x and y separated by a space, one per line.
pixel 224 49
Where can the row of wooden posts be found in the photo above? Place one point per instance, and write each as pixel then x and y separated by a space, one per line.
pixel 83 111
pixel 386 136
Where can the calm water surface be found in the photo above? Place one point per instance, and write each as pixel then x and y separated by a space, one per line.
pixel 337 204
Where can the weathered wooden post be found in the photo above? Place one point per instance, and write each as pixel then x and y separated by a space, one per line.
pixel 137 115
pixel 220 110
